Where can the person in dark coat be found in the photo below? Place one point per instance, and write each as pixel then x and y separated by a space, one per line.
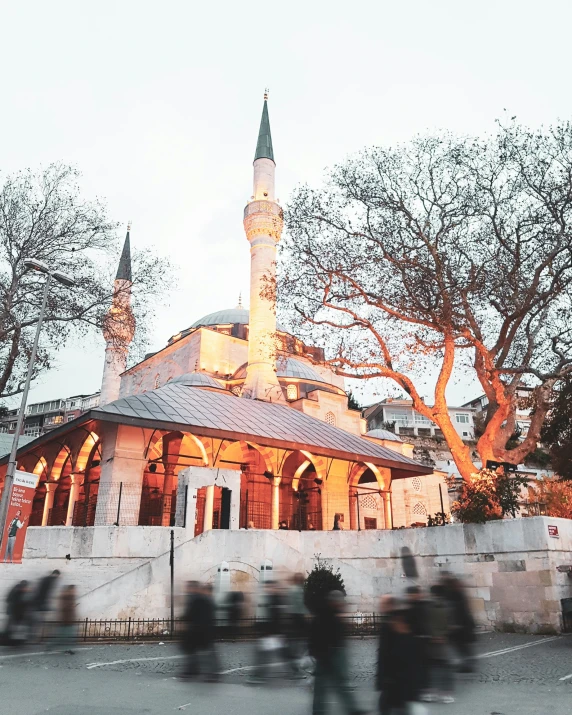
pixel 42 602
pixel 462 632
pixel 418 617
pixel 399 669
pixel 199 633
pixel 327 645
pixel 17 612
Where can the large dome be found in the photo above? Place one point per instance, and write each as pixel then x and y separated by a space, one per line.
pixel 230 316
pixel 287 367
pixel 383 434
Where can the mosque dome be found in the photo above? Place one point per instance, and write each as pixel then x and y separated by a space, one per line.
pixel 230 316
pixel 288 367
pixel 383 434
pixel 196 379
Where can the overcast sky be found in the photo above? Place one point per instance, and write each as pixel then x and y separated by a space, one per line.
pixel 158 104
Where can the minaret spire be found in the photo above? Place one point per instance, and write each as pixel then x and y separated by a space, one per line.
pixel 119 327
pixel 263 226
pixel 264 148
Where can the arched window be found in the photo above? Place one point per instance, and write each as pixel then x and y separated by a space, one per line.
pixel 416 484
pixel 419 509
pixel 330 419
pixel 292 392
pixel 157 382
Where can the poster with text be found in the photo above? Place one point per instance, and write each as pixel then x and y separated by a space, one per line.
pixel 19 510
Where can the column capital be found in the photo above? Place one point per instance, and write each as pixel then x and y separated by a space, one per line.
pixel 51 487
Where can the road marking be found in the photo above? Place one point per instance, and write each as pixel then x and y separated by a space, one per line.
pixel 566 677
pixel 493 653
pixel 89 666
pixel 40 652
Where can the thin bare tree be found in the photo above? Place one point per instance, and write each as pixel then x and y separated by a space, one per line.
pixel 44 216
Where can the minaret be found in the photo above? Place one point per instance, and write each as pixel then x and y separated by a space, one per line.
pixel 263 226
pixel 119 328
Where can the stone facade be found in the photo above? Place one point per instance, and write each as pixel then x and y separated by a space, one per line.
pixel 509 567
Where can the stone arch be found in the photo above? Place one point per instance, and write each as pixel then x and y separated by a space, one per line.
pixel 41 471
pixel 300 494
pixel 320 463
pixel 244 452
pixel 59 461
pixel 85 451
pixel 41 465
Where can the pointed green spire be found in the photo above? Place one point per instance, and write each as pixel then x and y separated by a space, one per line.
pixel 264 145
pixel 124 268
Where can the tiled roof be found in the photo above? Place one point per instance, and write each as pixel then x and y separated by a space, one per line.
pixel 287 367
pixel 212 413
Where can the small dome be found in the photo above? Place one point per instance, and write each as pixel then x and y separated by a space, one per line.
pixel 288 367
pixel 383 434
pixel 196 379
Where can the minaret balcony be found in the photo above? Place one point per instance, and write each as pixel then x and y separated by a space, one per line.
pixel 263 207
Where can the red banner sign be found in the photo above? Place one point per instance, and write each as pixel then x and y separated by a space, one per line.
pixel 19 510
pixel 553 531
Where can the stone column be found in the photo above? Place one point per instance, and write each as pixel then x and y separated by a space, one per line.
pixel 49 501
pixel 167 495
pixel 209 508
pixel 74 493
pixel 388 517
pixel 276 502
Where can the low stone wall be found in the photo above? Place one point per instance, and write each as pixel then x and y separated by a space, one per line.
pixel 508 566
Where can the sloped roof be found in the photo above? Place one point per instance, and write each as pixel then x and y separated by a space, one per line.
pixel 218 414
pixel 6 442
pixel 196 379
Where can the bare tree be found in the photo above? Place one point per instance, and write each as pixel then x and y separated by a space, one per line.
pixel 448 252
pixel 43 216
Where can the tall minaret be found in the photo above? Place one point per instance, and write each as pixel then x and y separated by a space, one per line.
pixel 119 328
pixel 263 225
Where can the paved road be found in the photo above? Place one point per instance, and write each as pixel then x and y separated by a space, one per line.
pixel 517 674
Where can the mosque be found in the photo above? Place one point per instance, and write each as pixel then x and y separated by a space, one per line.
pixel 234 424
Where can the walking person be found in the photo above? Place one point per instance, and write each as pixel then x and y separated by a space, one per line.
pixel 41 604
pixel 17 611
pixel 441 675
pixel 462 632
pixel 200 633
pixel 418 617
pixel 270 644
pixel 398 667
pixel 66 626
pixel 296 620
pixel 328 647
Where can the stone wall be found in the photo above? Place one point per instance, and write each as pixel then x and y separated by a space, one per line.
pixel 509 566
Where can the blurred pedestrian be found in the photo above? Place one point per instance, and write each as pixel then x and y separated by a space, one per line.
pixel 234 612
pixel 200 632
pixel 41 605
pixel 441 676
pixel 295 620
pixel 398 667
pixel 328 647
pixel 66 627
pixel 271 644
pixel 418 617
pixel 17 614
pixel 462 632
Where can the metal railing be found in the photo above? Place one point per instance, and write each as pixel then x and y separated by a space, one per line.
pixel 159 629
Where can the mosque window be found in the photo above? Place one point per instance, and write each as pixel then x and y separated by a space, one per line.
pixel 330 419
pixel 157 382
pixel 292 392
pixel 416 484
pixel 420 509
pixel 236 390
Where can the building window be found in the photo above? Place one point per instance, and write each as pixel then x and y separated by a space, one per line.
pixel 369 523
pixel 330 419
pixel 292 392
pixel 416 484
pixel 71 417
pixel 157 381
pixel 397 417
pixel 465 434
pixel 419 509
pixel 462 419
pixel 421 418
pixel 236 390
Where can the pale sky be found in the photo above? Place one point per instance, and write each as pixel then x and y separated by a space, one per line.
pixel 158 104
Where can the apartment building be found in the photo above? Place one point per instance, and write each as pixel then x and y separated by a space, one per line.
pixel 41 417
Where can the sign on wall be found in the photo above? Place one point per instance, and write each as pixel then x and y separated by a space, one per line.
pixel 19 510
pixel 553 531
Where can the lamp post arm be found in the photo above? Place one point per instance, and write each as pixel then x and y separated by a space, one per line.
pixel 9 480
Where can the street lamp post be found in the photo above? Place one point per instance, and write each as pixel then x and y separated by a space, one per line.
pixel 64 279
